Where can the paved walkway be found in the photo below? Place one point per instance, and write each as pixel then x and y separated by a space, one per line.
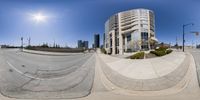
pixel 147 74
pixel 196 54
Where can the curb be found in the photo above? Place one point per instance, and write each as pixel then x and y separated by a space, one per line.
pixel 48 53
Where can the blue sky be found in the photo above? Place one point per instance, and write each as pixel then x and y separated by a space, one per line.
pixel 70 20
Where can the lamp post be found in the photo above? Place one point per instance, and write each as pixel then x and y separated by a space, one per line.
pixel 21 43
pixel 184 34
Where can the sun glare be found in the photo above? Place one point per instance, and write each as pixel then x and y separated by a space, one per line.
pixel 39 17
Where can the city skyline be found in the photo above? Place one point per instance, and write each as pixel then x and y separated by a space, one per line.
pixel 65 22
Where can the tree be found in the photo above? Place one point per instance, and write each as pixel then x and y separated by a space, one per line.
pixel 134 45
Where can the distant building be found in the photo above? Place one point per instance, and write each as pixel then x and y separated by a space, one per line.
pixel 198 46
pixel 80 44
pixel 93 45
pixel 96 41
pixel 101 46
pixel 83 44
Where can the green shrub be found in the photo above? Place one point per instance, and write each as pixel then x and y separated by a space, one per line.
pixel 169 51
pixel 160 53
pixel 103 51
pixel 153 52
pixel 139 55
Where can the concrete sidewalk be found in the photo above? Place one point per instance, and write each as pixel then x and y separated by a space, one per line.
pixel 147 74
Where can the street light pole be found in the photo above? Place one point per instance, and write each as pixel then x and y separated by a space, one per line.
pixel 184 34
pixel 22 43
pixel 183 38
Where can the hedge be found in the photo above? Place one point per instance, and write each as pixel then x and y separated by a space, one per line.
pixel 103 51
pixel 161 52
pixel 139 55
pixel 169 51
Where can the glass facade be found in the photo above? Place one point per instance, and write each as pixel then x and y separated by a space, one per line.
pixel 144 38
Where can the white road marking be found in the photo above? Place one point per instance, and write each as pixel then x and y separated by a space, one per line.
pixel 22 72
pixel 29 76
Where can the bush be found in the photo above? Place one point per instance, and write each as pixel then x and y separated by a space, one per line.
pixel 169 51
pixel 44 46
pixel 160 53
pixel 139 55
pixel 153 52
pixel 103 51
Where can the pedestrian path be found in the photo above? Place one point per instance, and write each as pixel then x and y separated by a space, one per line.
pixel 147 74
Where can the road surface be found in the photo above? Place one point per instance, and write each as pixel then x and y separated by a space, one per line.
pixel 24 75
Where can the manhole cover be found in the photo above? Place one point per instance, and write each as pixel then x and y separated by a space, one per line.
pixel 10 70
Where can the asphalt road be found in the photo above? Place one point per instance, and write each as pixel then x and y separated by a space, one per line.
pixel 24 75
pixel 196 54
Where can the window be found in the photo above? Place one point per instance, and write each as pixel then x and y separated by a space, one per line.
pixel 110 40
pixel 144 36
pixel 117 40
pixel 128 37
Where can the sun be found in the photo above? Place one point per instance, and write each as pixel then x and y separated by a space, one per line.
pixel 39 17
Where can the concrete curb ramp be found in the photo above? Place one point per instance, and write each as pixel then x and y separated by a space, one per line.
pixel 146 75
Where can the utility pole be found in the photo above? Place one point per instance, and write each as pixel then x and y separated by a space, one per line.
pixel 184 34
pixel 176 42
pixel 192 43
pixel 22 43
pixel 54 44
pixel 29 41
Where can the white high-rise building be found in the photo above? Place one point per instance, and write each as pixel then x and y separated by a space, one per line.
pixel 130 31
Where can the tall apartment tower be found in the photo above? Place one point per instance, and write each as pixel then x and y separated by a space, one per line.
pixel 80 45
pixel 130 31
pixel 96 41
pixel 85 44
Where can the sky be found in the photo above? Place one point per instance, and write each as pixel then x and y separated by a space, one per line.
pixel 67 21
